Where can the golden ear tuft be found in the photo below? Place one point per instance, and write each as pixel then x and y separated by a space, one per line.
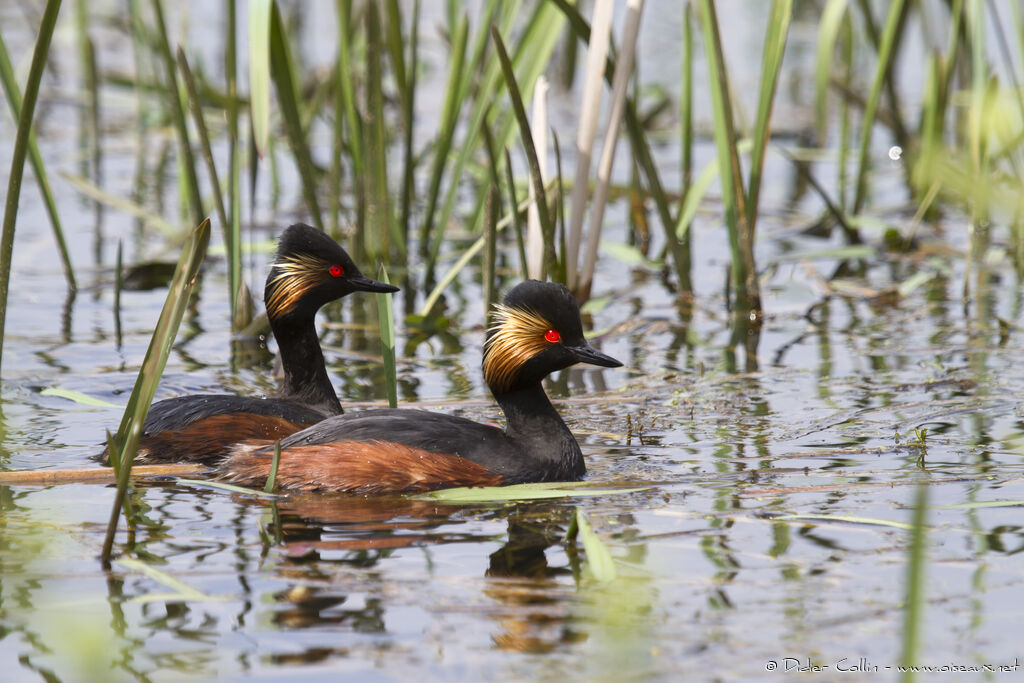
pixel 296 275
pixel 517 335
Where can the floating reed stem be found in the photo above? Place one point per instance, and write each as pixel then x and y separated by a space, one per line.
pixel 95 475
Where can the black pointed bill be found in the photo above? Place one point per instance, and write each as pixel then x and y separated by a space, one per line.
pixel 361 283
pixel 588 354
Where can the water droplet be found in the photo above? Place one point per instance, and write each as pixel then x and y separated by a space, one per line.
pixel 895 152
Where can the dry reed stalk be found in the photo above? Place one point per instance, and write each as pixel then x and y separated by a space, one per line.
pixel 95 475
pixel 590 106
pixel 620 86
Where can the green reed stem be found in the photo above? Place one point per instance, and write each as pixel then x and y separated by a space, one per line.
pixel 92 110
pixel 188 163
pixel 913 614
pixel 373 241
pixel 204 142
pixel 346 92
pixel 679 244
pixel 490 249
pixel 885 54
pixel 546 224
pixel 126 441
pixel 21 146
pixel 561 265
pixel 463 260
pixel 282 72
pixel 386 319
pixel 833 17
pixel 259 72
pixel 118 287
pixel 275 463
pixel 454 92
pixel 13 93
pixel 234 230
pixel 771 64
pixel 517 218
pixel 536 43
pixel 744 274
pixel 408 116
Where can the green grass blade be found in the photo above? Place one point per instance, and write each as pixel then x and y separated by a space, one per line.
pixel 21 145
pixel 128 434
pixel 599 558
pixel 466 257
pixel 148 218
pixel 288 97
pixel 490 249
pixel 828 37
pixel 118 288
pixel 259 71
pixel 679 244
pixel 981 504
pixel 231 488
pixel 744 276
pixel 696 192
pixel 239 298
pixel 536 43
pixel 187 160
pixel 13 93
pixel 885 53
pixel 771 64
pixel 491 227
pixel 78 397
pixel 845 519
pixel 449 116
pixel 372 239
pixel 517 218
pixel 204 143
pixel 913 616
pixel 536 491
pixel 546 224
pixel 346 92
pixel 408 122
pixel 386 317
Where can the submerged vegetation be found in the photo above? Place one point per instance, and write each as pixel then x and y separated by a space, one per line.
pixel 477 184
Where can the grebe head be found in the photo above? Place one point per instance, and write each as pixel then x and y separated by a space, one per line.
pixel 536 331
pixel 310 270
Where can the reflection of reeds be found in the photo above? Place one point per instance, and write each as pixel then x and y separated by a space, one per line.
pixel 913 619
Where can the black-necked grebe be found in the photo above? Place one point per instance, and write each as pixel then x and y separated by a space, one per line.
pixel 309 270
pixel 536 331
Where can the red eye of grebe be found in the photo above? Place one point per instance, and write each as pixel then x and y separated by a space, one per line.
pixel 552 336
pixel 337 271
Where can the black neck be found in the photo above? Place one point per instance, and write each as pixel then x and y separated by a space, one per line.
pixel 534 422
pixel 305 376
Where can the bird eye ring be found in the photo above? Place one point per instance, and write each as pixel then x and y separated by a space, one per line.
pixel 337 271
pixel 553 336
